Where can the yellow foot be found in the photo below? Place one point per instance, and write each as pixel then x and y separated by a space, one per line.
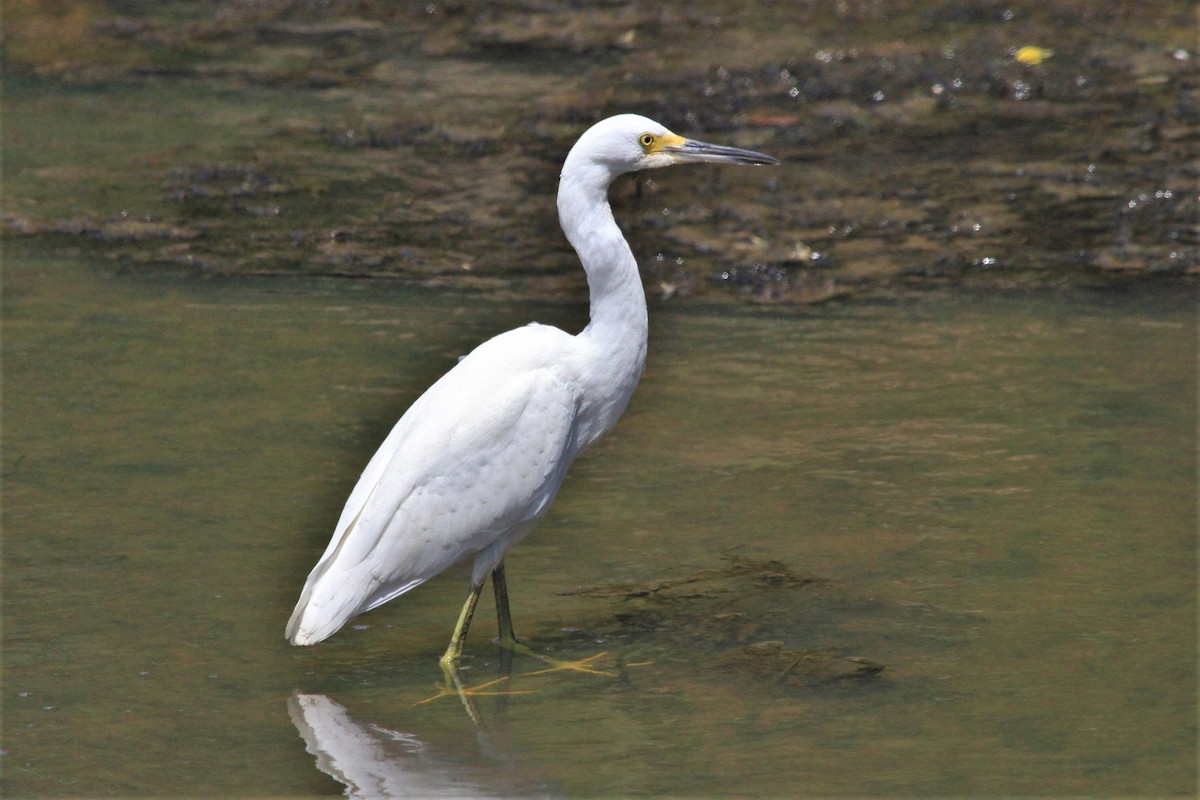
pixel 453 688
pixel 580 665
pixel 584 665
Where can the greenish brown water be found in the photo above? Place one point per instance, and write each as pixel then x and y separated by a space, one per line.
pixel 991 496
pixel 938 540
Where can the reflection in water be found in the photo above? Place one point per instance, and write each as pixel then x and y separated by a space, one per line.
pixel 371 760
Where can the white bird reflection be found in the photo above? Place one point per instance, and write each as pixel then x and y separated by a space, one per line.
pixel 373 761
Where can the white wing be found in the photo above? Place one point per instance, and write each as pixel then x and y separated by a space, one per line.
pixel 475 461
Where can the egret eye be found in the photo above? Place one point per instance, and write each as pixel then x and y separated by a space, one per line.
pixel 646 140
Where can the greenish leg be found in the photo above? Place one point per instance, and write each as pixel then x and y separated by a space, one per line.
pixel 454 651
pixel 503 615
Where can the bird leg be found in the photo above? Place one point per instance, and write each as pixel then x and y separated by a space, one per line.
pixel 508 639
pixel 503 615
pixel 449 661
pixel 454 651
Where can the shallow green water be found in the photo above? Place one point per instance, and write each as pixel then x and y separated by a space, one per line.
pixel 991 496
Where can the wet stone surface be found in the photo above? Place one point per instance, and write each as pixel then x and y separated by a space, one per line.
pixel 927 144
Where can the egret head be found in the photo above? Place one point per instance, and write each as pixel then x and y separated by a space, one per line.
pixel 629 142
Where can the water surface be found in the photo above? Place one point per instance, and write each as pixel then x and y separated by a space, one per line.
pixel 990 496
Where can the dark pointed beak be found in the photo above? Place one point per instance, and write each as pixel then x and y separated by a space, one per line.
pixel 691 150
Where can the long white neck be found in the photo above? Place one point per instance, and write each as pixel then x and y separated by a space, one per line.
pixel 614 341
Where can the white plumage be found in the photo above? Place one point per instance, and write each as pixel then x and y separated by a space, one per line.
pixel 476 461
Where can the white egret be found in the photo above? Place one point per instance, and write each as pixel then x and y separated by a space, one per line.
pixel 475 462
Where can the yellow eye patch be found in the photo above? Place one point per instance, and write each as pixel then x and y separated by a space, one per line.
pixel 653 143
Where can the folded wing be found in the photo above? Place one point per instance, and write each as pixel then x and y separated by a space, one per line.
pixel 490 450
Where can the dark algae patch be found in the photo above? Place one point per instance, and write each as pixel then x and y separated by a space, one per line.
pixel 925 144
pixel 735 617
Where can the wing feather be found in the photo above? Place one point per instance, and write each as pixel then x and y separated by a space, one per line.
pixel 475 459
